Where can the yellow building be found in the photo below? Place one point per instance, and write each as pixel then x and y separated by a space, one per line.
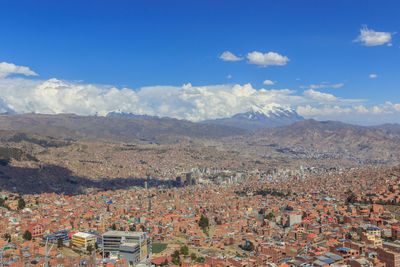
pixel 83 240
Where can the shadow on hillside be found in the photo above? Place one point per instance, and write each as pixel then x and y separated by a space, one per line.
pixel 56 179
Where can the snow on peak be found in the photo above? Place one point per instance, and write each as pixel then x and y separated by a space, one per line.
pixel 270 109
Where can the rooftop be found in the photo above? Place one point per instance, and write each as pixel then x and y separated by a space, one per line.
pixel 124 233
pixel 83 235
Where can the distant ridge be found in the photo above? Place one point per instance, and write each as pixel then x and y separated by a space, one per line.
pixel 261 117
pixel 331 139
pixel 116 114
pixel 116 129
pixel 307 139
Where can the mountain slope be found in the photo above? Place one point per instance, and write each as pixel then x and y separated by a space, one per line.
pixel 159 130
pixel 261 117
pixel 329 139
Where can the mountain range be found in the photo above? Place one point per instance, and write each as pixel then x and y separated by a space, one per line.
pixel 261 117
pixel 307 139
pixel 257 117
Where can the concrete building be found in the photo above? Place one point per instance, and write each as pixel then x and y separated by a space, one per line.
pixel 391 258
pixel 294 218
pixel 83 240
pixel 135 247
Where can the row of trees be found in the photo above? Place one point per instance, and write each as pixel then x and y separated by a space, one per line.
pixel 184 250
pixel 21 203
pixel 266 191
pixel 272 192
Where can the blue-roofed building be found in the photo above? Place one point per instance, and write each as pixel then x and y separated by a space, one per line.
pixel 325 259
pixel 319 263
pixel 342 249
pixel 63 234
pixel 334 257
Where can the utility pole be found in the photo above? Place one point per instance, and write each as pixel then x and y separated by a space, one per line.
pixel 46 251
pixel 2 251
pixel 94 259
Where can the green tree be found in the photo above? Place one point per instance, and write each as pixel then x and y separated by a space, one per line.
pixel 165 263
pixel 27 235
pixel 132 228
pixel 21 203
pixel 60 242
pixel 89 248
pixel 175 254
pixel 114 227
pixel 203 222
pixel 96 246
pixel 351 197
pixel 176 261
pixel 269 216
pixel 7 236
pixel 184 250
pixel 200 259
pixel 175 258
pixel 193 257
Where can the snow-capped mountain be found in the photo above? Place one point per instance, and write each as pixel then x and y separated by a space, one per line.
pixel 257 117
pixel 118 114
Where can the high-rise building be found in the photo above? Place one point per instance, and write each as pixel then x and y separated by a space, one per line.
pixel 391 258
pixel 83 240
pixel 135 247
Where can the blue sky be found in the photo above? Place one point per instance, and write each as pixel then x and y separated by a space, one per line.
pixel 144 44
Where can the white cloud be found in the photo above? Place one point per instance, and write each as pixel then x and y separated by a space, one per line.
pixel 373 76
pixel 323 85
pixel 7 69
pixel 267 59
pixel 361 109
pixel 386 108
pixel 320 97
pixel 195 103
pixel 372 38
pixel 229 76
pixel 378 114
pixel 309 111
pixel 228 56
pixel 268 82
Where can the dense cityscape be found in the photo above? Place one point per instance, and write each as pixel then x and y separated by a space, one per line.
pixel 169 133
pixel 302 216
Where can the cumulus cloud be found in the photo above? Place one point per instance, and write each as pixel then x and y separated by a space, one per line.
pixel 228 56
pixel 229 76
pixel 189 102
pixel 267 59
pixel 321 97
pixel 378 114
pixel 386 108
pixel 373 76
pixel 310 111
pixel 7 69
pixel 268 82
pixel 195 103
pixel 372 38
